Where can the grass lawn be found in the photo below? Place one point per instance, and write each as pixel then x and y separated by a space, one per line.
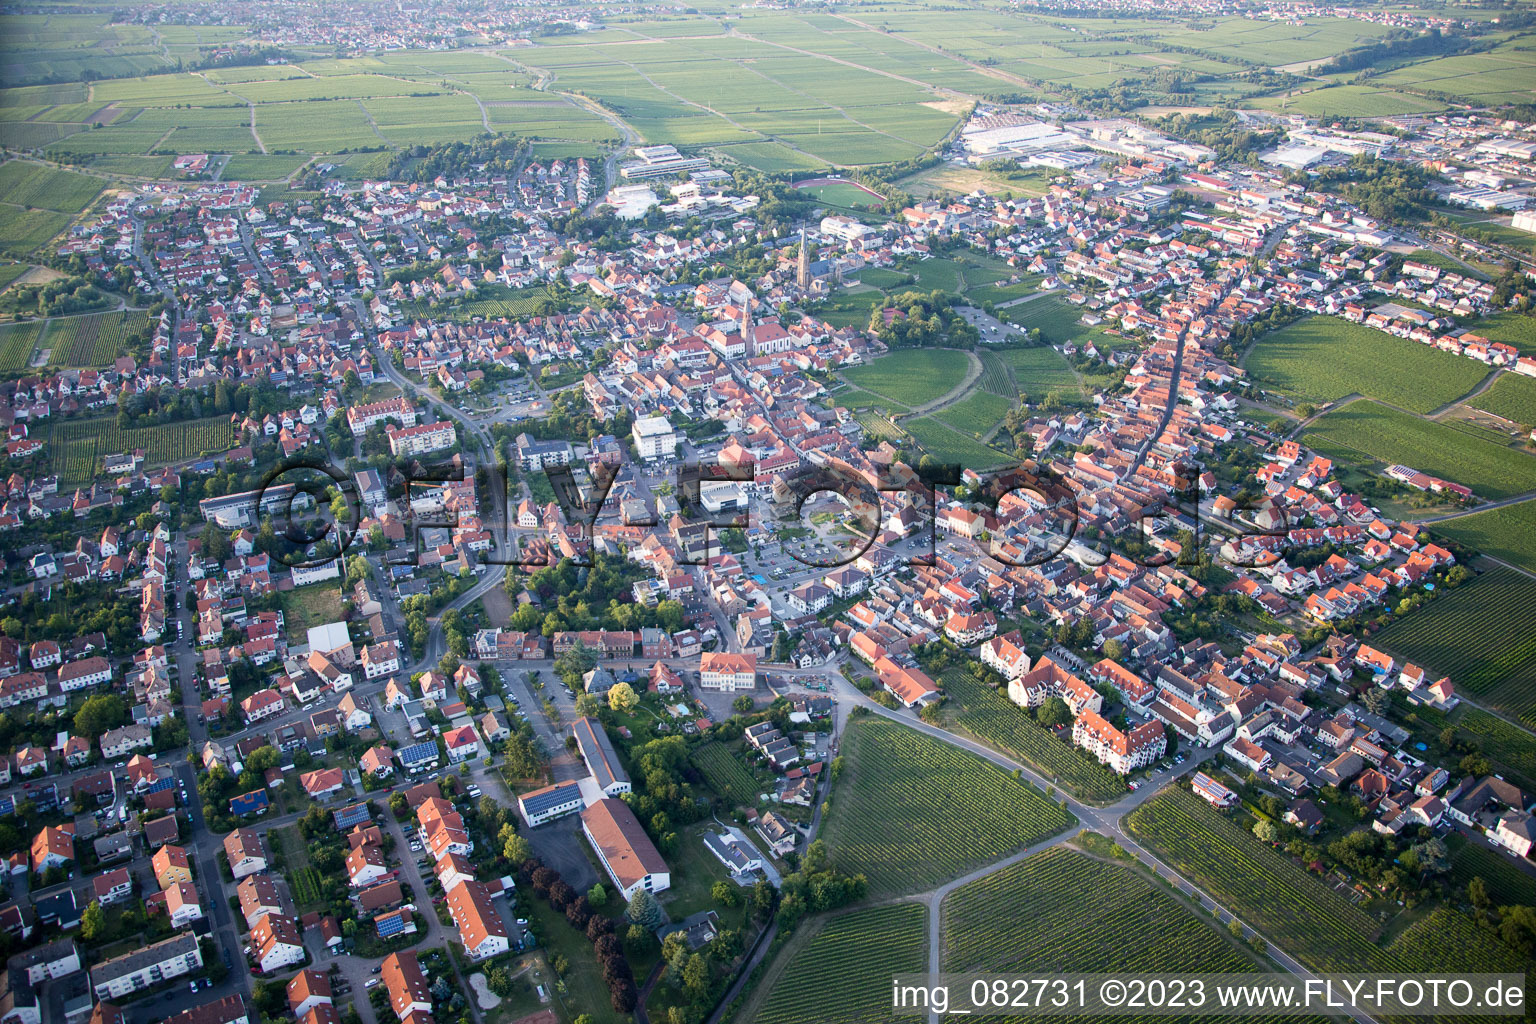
pixel 911 812
pixel 313 605
pixel 581 990
pixel 1366 433
pixel 1323 358
pixel 911 376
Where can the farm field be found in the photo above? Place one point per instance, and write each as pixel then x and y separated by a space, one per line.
pixel 911 376
pixel 848 965
pixel 1517 329
pixel 1041 373
pixel 725 773
pixel 948 445
pixel 93 340
pixel 1508 533
pixel 1365 432
pixel 1057 319
pixel 1054 910
pixel 911 812
pixel 991 717
pixel 1264 888
pixel 1477 634
pixel 976 413
pixel 22 232
pixel 17 342
pixel 33 185
pixel 77 446
pixel 1323 358
pixel 1513 396
pixel 1512 747
pixel 1348 101
pixel 1507 884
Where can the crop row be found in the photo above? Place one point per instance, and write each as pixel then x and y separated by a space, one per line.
pixel 845 970
pixel 992 717
pixel 725 773
pixel 77 447
pixel 912 812
pixel 1478 633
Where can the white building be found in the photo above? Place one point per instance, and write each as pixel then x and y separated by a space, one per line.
pixel 727 672
pixel 654 437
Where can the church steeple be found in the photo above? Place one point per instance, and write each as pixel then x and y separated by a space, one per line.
pixel 803 270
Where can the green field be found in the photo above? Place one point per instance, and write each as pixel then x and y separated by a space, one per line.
pixel 78 446
pixel 1517 329
pixel 947 445
pixel 1348 101
pixel 1513 396
pixel 1063 911
pixel 94 340
pixel 1507 884
pixel 911 376
pixel 1478 634
pixel 991 717
pixel 23 232
pixel 911 812
pixel 842 194
pixel 1507 744
pixel 1057 319
pixel 1042 373
pixel 846 968
pixel 1364 433
pixel 1322 359
pixel 725 773
pixel 976 413
pixel 33 185
pixel 1508 533
pixel 16 344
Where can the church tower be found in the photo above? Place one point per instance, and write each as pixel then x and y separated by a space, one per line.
pixel 746 328
pixel 803 270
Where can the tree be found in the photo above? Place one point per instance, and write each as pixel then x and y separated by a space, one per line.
pixel 1375 700
pixel 1114 650
pixel 1266 830
pixel 587 705
pixel 696 976
pixel 1477 893
pixel 742 704
pixel 1054 712
pixel 597 895
pixel 515 847
pixel 725 894
pixel 99 713
pixel 644 910
pixel 93 922
pixel 622 697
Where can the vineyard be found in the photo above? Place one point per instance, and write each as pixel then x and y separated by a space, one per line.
pixel 16 344
pixel 78 446
pixel 1478 634
pixel 995 378
pixel 846 969
pixel 1507 884
pixel 1056 912
pixel 911 812
pixel 878 427
pixel 94 340
pixel 1266 889
pixel 306 887
pixel 725 773
pixel 1425 946
pixel 1509 746
pixel 995 720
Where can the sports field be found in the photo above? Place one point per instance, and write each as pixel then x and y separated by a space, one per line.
pixel 911 812
pixel 1366 433
pixel 1323 358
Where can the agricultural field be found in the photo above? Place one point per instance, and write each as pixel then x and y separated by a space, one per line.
pixel 1476 634
pixel 976 414
pixel 991 717
pixel 1264 888
pixel 1042 373
pixel 77 446
pixel 947 445
pixel 847 965
pixel 725 773
pixel 1348 101
pixel 1053 912
pixel 1506 74
pixel 93 340
pixel 1517 329
pixel 1323 358
pixel 17 341
pixel 33 185
pixel 911 812
pixel 1057 319
pixel 1507 884
pixel 1508 745
pixel 1365 433
pixel 1513 396
pixel 1508 533
pixel 911 376
pixel 10 272
pixel 23 232
pixel 996 378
